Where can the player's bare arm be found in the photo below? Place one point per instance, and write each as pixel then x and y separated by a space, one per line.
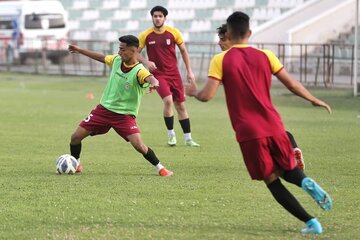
pixel 205 94
pixel 148 64
pixel 91 54
pixel 154 83
pixel 185 56
pixel 297 88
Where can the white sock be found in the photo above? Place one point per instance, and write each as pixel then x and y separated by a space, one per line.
pixel 159 166
pixel 171 132
pixel 187 136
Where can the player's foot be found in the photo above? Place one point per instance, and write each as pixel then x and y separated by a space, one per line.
pixel 299 158
pixel 317 193
pixel 171 140
pixel 165 173
pixel 79 168
pixel 313 226
pixel 191 143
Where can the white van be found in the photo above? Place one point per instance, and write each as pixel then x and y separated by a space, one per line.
pixel 34 29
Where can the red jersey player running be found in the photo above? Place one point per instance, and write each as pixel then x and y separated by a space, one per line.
pixel 160 42
pixel 225 44
pixel 246 74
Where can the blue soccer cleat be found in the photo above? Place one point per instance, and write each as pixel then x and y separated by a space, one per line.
pixel 313 226
pixel 317 193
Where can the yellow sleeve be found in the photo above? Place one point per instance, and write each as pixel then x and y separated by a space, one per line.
pixel 216 67
pixel 142 74
pixel 178 37
pixel 143 35
pixel 109 59
pixel 275 63
pixel 176 33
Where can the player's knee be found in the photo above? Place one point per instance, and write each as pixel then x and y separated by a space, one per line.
pixel 181 108
pixel 271 178
pixel 168 104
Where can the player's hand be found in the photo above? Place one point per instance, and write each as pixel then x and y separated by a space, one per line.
pixel 151 66
pixel 191 89
pixel 190 77
pixel 154 84
pixel 73 48
pixel 319 103
pixel 153 87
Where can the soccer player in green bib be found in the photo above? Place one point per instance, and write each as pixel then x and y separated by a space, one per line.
pixel 129 80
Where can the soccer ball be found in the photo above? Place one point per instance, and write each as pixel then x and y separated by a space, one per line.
pixel 66 164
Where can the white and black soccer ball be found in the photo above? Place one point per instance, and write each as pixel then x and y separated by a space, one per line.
pixel 66 164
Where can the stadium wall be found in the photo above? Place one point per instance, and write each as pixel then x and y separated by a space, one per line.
pixel 327 26
pixel 308 23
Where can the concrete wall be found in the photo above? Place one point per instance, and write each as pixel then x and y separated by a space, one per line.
pixel 314 22
pixel 328 24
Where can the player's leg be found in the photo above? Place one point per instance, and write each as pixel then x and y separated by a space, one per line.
pixel 148 153
pixel 164 92
pixel 291 204
pixel 297 151
pixel 178 94
pixel 97 122
pixel 282 154
pixel 292 139
pixel 126 127
pixel 169 119
pixel 75 141
pixel 258 157
pixel 297 177
pixel 185 123
pixel 75 144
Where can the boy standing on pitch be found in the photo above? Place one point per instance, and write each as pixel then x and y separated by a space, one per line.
pixel 128 82
pixel 246 73
pixel 160 41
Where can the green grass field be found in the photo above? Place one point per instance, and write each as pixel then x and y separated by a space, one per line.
pixel 120 196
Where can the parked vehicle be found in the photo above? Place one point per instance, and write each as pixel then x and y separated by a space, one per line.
pixel 34 29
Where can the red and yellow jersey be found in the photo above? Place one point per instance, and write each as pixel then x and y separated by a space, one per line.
pixel 160 48
pixel 246 74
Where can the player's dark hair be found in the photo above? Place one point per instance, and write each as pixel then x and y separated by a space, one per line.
pixel 238 24
pixel 222 29
pixel 159 9
pixel 130 40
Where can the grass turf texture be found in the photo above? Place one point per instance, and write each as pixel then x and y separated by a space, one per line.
pixel 119 195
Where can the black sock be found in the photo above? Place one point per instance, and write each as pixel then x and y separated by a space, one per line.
pixel 288 201
pixel 185 125
pixel 75 150
pixel 292 139
pixel 151 157
pixel 294 176
pixel 169 122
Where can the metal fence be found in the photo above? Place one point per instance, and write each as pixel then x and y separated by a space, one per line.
pixel 328 65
